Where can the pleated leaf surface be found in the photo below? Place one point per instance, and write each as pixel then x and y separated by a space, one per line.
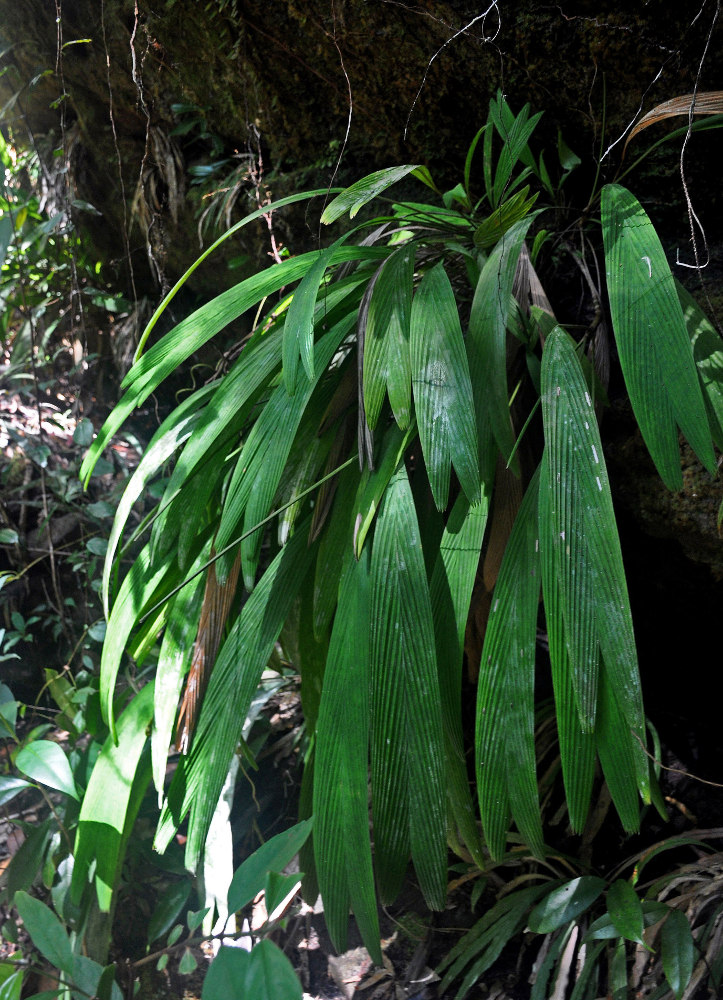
pixel 577 748
pixel 451 593
pixel 442 389
pixel 407 748
pixel 506 767
pixel 582 550
pixel 653 344
pixel 387 362
pixel 708 353
pixel 487 339
pixel 261 464
pixel 363 191
pixel 341 835
pixel 199 777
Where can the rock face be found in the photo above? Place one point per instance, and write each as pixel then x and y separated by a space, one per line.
pixel 132 103
pixel 108 82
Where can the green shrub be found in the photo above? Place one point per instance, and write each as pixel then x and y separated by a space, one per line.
pixel 343 467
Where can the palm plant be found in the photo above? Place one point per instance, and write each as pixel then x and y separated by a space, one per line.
pixel 351 468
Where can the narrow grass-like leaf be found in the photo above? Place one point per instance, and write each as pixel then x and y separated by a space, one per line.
pixel 386 340
pixel 232 230
pixel 198 328
pixel 298 340
pixel 173 662
pixel 408 793
pixel 442 389
pixel 111 801
pixel 200 775
pixel 266 451
pixel 174 430
pixel 341 838
pixel 515 131
pixel 482 945
pixel 654 347
pixel 138 592
pixel 487 336
pixel 364 191
pixel 373 484
pixel 506 766
pixel 451 593
pixel 222 419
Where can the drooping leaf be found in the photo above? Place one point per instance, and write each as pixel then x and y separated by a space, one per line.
pixel 175 429
pixel 200 775
pixel 139 590
pixel 582 544
pixel 386 340
pixel 442 389
pixel 197 329
pixel 486 340
pixel 654 346
pixel 708 355
pixel 332 546
pixel 407 763
pixel 506 765
pixel 364 191
pixel 341 836
pixel 451 593
pixel 621 755
pixel 173 662
pixel 374 483
pixel 45 761
pixel 577 748
pixel 298 340
pixel 111 800
pixel 260 466
pixel 700 103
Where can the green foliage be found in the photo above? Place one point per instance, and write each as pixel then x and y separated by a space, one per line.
pixel 79 855
pixel 395 349
pixel 346 463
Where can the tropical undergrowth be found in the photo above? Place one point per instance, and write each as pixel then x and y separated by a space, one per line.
pixel 402 471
